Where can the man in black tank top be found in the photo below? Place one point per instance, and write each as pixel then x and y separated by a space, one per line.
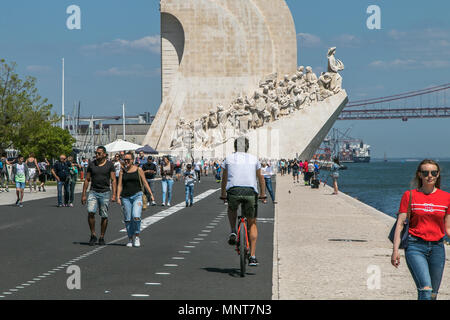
pixel 101 175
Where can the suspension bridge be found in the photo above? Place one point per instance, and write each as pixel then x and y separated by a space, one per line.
pixel 425 103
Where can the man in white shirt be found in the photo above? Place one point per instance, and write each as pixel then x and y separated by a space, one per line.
pixel 241 174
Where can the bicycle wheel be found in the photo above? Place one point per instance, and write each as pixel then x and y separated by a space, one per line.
pixel 243 248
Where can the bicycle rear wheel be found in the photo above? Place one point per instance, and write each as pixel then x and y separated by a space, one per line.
pixel 243 248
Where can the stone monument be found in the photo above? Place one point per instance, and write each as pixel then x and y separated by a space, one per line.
pixel 229 68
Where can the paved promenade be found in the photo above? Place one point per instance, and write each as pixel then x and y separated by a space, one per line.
pixel 310 266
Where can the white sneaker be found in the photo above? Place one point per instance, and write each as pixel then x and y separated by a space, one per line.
pixel 137 242
pixel 168 204
pixel 130 243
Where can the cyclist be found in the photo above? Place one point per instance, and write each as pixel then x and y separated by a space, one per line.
pixel 241 174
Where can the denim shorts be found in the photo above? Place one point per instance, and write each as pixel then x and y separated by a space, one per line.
pixel 20 185
pixel 98 201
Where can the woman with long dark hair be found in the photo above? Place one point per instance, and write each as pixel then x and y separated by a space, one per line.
pixel 428 206
pixel 129 196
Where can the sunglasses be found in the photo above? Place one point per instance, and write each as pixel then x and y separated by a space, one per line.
pixel 425 173
pixel 127 160
pixel 99 153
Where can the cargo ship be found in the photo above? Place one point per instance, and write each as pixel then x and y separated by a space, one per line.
pixel 355 152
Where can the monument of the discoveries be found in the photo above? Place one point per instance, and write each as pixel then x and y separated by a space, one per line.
pixel 229 68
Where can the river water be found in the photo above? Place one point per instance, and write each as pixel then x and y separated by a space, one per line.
pixel 381 184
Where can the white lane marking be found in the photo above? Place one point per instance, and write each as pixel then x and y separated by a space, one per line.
pixel 184 252
pixel 162 273
pixel 198 238
pixel 7 292
pixel 153 283
pixel 170 265
pixel 13 290
pixel 177 258
pixel 165 213
pixel 139 295
pixel 144 224
pixel 195 242
pixel 202 234
pixel 206 230
pixel 189 246
pixel 210 227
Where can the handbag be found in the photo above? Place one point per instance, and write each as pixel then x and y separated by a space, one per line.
pixel 144 196
pixel 405 232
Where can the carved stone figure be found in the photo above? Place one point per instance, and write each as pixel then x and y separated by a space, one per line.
pixel 334 66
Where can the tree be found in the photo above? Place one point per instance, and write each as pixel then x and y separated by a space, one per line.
pixel 25 117
pixel 48 141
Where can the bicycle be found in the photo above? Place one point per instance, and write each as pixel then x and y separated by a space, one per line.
pixel 242 240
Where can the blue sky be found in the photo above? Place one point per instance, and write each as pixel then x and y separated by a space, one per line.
pixel 115 58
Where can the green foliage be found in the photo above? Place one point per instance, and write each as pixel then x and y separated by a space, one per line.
pixel 26 118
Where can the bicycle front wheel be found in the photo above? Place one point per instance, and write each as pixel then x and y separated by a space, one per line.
pixel 243 248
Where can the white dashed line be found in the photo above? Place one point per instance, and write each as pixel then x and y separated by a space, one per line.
pixel 184 252
pixel 162 273
pixel 177 258
pixel 189 246
pixel 153 283
pixel 170 265
pixel 138 295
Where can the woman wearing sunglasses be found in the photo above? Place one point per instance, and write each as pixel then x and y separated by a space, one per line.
pixel 129 195
pixel 429 222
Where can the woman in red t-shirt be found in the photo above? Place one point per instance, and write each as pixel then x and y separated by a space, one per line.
pixel 429 222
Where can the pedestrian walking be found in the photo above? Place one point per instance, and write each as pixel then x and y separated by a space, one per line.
pixel 4 174
pixel 295 170
pixel 129 195
pixel 167 169
pixel 150 170
pixel 101 176
pixel 33 171
pixel 189 179
pixel 267 172
pixel 305 172
pixel 44 167
pixel 428 209
pixel 73 177
pixel 141 159
pixel 178 165
pixel 118 165
pixel 20 175
pixel 84 166
pixel 61 173
pixel 198 169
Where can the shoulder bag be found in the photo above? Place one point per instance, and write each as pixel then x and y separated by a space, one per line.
pixel 144 196
pixel 405 232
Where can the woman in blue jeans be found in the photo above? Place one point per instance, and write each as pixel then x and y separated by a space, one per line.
pixel 167 169
pixel 429 223
pixel 129 195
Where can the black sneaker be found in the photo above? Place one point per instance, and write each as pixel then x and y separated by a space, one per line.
pixel 101 242
pixel 252 262
pixel 92 241
pixel 232 239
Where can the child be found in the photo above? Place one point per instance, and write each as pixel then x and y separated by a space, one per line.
pixel 189 179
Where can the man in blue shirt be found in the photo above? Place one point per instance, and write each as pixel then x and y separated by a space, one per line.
pixel 61 172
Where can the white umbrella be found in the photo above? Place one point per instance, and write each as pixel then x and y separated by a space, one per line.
pixel 121 145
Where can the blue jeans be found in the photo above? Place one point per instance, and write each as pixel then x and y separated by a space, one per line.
pixel 66 186
pixel 189 189
pixel 426 262
pixel 166 189
pixel 269 187
pixel 132 211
